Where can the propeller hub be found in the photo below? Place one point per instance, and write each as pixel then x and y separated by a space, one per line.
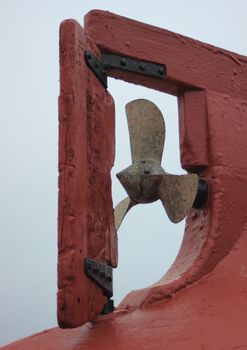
pixel 138 183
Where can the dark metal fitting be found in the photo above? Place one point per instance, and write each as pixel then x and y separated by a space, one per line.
pixel 108 307
pixel 95 269
pixel 161 71
pixel 123 62
pixel 100 273
pixel 100 67
pixel 202 194
pixel 108 278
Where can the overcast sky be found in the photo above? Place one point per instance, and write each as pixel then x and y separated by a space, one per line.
pixel 29 74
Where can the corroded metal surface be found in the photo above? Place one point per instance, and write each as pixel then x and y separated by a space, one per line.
pixel 177 194
pixel 146 130
pixel 137 182
pixel 121 210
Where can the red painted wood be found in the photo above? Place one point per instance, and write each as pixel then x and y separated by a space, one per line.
pixel 86 154
pixel 193 129
pixel 197 254
pixel 190 63
pixel 201 301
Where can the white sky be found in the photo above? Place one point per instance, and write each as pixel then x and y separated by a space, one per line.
pixel 29 71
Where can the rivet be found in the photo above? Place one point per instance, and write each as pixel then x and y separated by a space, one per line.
pixel 141 67
pixel 102 274
pixel 89 56
pixel 95 269
pixel 161 71
pixel 109 279
pixel 123 62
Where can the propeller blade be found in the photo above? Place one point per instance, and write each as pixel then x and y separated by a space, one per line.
pixel 121 210
pixel 177 194
pixel 146 129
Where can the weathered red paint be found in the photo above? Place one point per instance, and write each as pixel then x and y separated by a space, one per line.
pixel 190 63
pixel 201 301
pixel 86 153
pixel 210 314
pixel 194 150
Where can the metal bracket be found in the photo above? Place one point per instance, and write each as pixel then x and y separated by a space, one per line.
pixel 100 274
pixel 97 67
pixel 109 61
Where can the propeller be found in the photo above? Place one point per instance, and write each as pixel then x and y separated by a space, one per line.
pixel 145 180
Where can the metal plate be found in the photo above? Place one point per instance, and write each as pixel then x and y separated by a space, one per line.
pixel 133 65
pixel 100 274
pixel 100 67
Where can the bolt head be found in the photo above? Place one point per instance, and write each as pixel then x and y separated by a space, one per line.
pixel 108 279
pixel 123 62
pixel 102 274
pixel 142 67
pixel 95 269
pixel 161 71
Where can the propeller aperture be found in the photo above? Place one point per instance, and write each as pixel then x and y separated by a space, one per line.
pixel 145 180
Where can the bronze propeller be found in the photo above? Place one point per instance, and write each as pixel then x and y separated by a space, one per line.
pixel 145 180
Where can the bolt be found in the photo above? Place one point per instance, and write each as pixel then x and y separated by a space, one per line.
pixel 123 62
pixel 161 71
pixel 108 278
pixel 102 274
pixel 88 265
pixel 95 269
pixel 89 56
pixel 141 67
